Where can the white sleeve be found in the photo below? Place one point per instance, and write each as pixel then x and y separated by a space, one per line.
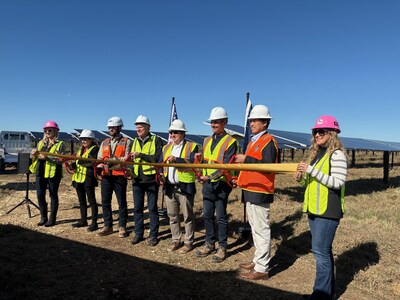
pixel 338 171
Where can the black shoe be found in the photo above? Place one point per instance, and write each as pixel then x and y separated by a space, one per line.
pixel 80 224
pixel 137 239
pixel 50 223
pixel 152 241
pixel 42 222
pixel 93 227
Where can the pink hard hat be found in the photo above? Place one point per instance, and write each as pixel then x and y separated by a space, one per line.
pixel 51 124
pixel 327 122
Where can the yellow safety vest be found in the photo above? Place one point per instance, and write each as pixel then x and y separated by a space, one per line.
pixel 316 196
pixel 184 175
pixel 50 166
pixel 217 155
pixel 80 172
pixel 149 148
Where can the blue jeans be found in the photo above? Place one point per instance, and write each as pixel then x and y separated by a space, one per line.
pixel 215 200
pixel 323 232
pixel 117 184
pixel 139 190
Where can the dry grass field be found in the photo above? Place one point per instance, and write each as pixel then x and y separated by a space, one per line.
pixel 71 263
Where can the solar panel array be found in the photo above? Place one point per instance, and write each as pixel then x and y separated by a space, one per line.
pixel 286 139
pixel 298 140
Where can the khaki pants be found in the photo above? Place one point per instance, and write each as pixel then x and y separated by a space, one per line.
pixel 177 202
pixel 258 215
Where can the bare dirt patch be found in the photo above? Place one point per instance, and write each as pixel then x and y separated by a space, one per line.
pixel 66 262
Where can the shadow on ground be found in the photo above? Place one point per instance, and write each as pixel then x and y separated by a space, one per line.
pixel 40 266
pixel 349 263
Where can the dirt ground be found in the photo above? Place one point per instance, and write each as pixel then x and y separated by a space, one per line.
pixel 70 263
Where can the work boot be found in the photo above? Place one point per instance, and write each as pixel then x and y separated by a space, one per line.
pixel 137 239
pixel 93 227
pixel 122 232
pixel 51 222
pixel 174 246
pixel 206 250
pixel 106 231
pixel 43 216
pixel 220 256
pixel 80 223
pixel 152 241
pixel 53 216
pixel 42 221
pixel 185 249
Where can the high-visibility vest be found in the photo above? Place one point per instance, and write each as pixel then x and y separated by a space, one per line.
pixel 316 196
pixel 185 175
pixel 80 172
pixel 50 166
pixel 119 152
pixel 217 155
pixel 149 148
pixel 256 181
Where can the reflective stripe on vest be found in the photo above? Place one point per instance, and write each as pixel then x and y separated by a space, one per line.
pixel 317 195
pixel 256 181
pixel 149 148
pixel 185 175
pixel 119 152
pixel 50 166
pixel 217 156
pixel 80 173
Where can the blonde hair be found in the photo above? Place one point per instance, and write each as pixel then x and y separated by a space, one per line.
pixel 56 135
pixel 333 144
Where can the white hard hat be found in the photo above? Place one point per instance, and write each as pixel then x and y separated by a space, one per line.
pixel 115 121
pixel 142 120
pixel 177 125
pixel 218 113
pixel 260 112
pixel 86 133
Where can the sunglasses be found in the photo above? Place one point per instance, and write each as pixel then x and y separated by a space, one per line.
pixel 176 132
pixel 47 130
pixel 321 132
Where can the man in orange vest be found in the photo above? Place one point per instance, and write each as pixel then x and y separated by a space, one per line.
pixel 258 191
pixel 113 178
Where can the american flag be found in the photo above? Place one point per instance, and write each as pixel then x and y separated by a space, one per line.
pixel 247 131
pixel 173 116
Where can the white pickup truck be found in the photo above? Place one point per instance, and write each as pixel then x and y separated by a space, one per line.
pixel 12 143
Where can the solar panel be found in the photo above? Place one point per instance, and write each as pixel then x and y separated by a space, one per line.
pixel 98 135
pixel 163 135
pixel 285 139
pixel 196 138
pixel 392 144
pixel 363 144
pixel 37 135
pixel 63 136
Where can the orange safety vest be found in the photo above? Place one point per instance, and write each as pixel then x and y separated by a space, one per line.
pixel 119 153
pixel 256 181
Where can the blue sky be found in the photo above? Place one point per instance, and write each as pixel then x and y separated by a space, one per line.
pixel 80 62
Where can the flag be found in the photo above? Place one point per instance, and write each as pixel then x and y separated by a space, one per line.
pixel 247 131
pixel 173 116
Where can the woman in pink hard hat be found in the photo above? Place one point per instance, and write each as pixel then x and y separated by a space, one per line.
pixel 324 176
pixel 48 171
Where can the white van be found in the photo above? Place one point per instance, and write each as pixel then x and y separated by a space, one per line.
pixel 12 143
